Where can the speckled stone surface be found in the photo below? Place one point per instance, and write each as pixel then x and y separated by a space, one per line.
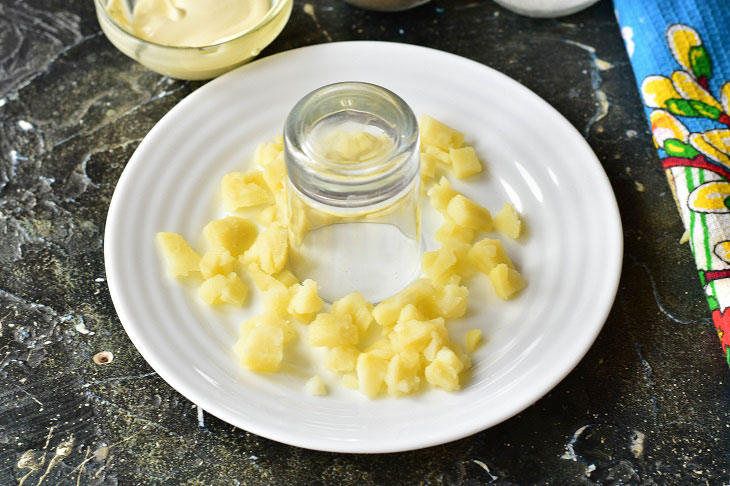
pixel 648 405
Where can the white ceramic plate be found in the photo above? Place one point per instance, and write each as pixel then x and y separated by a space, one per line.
pixel 571 255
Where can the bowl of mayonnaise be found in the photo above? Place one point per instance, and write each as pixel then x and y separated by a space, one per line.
pixel 192 39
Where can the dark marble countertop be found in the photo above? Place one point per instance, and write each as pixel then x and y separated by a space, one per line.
pixel 647 405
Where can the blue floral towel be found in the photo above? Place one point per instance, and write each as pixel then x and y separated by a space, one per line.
pixel 680 52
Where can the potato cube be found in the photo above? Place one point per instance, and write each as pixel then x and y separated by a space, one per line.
pixel 279 142
pixel 508 222
pixel 437 153
pixel 507 281
pixel 443 372
pixel 486 254
pixel 270 214
pixel 239 190
pixel 305 299
pixel 466 212
pixel 415 335
pixel 440 194
pixel 430 352
pixel 464 162
pixel 269 319
pixel 350 381
pixel 428 166
pixel 434 132
pixel 356 307
pixel 223 289
pixel 287 278
pixel 275 294
pixel 438 265
pixel 276 299
pixel 451 231
pixel 265 153
pixel 262 349
pixel 371 371
pixel 387 311
pixel 270 250
pixel 332 330
pixel 180 257
pixel 216 261
pixel 233 233
pixel 382 348
pixel 315 386
pixel 275 175
pixel 449 260
pixel 342 359
pixel 401 376
pixel 473 338
pixel 410 313
pixel 452 301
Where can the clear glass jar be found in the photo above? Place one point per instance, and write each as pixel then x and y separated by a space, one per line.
pixel 352 156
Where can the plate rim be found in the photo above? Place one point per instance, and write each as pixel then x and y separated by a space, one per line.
pixel 197 397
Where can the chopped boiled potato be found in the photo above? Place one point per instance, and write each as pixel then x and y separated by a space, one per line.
pixel 410 313
pixel 266 152
pixel 507 281
pixel 382 348
pixel 350 381
pixel 287 278
pixel 411 336
pixel 452 301
pixel 440 194
pixel 262 349
pixel 420 293
pixel 305 300
pixel 452 231
pixel 486 254
pixel 299 224
pixel 402 374
pixel 428 166
pixel 473 338
pixel 356 307
pixel 332 330
pixel 315 386
pixel 464 162
pixel 268 319
pixel 430 352
pixel 270 250
pixel 437 153
pixel 279 142
pixel 261 279
pixel 239 190
pixel 371 370
pixel 274 175
pixel 223 289
pixel 275 294
pixel 412 345
pixel 433 132
pixel 508 222
pixel 443 372
pixel 466 212
pixel 276 299
pixel 181 258
pixel 270 214
pixel 233 233
pixel 342 359
pixel 216 261
pixel 449 260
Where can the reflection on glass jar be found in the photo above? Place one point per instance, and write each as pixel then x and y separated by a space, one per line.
pixel 353 191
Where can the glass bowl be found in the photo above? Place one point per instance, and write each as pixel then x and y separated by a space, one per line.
pixel 196 62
